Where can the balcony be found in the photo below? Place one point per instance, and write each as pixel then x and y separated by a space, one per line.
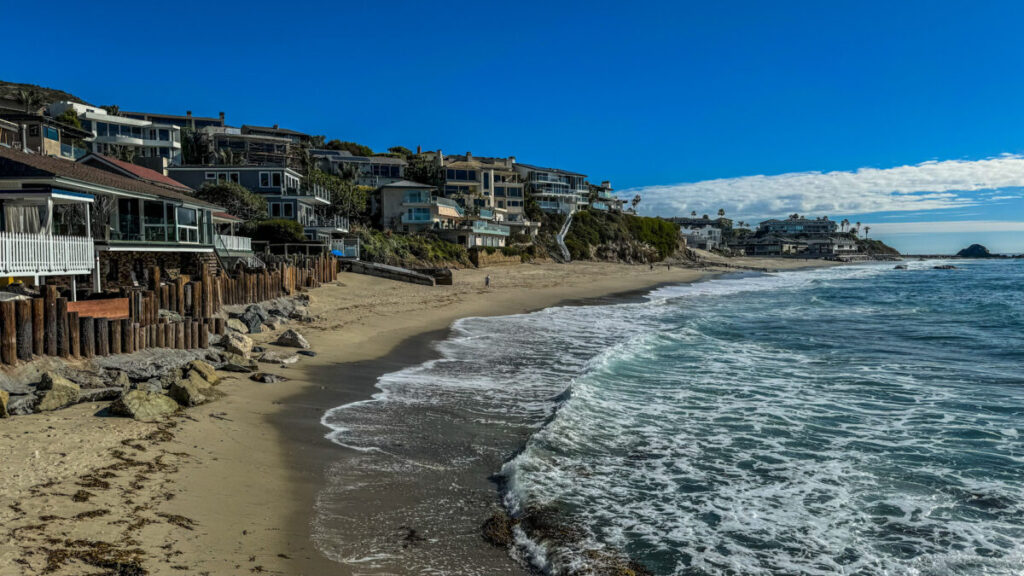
pixel 121 139
pixel 72 152
pixel 481 227
pixel 336 222
pixel 417 218
pixel 605 195
pixel 599 206
pixel 225 242
pixel 24 254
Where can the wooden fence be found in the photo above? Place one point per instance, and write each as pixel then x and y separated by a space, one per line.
pixel 53 326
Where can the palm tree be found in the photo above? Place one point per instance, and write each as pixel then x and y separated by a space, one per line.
pixel 29 99
pixel 721 212
pixel 845 224
pixel 635 201
pixel 693 213
pixel 866 230
pixel 857 229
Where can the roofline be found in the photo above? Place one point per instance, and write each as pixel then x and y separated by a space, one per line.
pixel 533 167
pixel 229 167
pixel 61 181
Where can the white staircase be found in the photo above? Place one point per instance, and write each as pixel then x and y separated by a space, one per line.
pixel 560 238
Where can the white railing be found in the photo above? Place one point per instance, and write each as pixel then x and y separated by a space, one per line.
pixel 43 254
pixel 560 238
pixel 234 243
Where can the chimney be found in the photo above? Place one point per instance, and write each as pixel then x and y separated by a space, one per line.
pixel 469 156
pixel 188 113
pixel 275 126
pixel 606 184
pixel 419 149
pixel 511 161
pixel 221 116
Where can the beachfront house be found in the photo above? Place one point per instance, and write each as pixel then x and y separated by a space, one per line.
pixel 799 226
pixel 296 138
pixel 413 207
pixel 187 121
pixel 774 246
pixel 372 171
pixel 489 188
pixel 108 133
pixel 556 191
pixel 43 135
pixel 126 225
pixel 227 145
pixel 831 247
pixel 602 198
pixel 703 236
pixel 288 196
pixel 229 246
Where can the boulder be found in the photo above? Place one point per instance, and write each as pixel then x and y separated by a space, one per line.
pixel 259 311
pixel 101 394
pixel 274 323
pixel 238 363
pixel 208 373
pixel 22 404
pixel 292 339
pixel 237 325
pixel 4 399
pixel 144 406
pixel 253 321
pixel 121 380
pixel 238 344
pixel 58 392
pixel 152 385
pixel 190 391
pixel 309 353
pixel 267 378
pixel 277 357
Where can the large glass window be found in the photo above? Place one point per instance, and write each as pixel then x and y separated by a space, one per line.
pixel 153 221
pixel 275 179
pixel 264 179
pixel 188 225
pixel 101 128
pixel 51 133
pixel 165 135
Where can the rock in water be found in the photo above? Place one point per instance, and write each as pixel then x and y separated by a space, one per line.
pixel 974 251
pixel 292 339
pixel 238 344
pixel 144 406
pixel 209 373
pixel 4 398
pixel 58 392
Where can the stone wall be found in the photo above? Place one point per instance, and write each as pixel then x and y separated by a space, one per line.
pixel 116 268
pixel 481 259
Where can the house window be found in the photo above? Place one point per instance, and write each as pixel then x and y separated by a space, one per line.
pixel 153 222
pixel 152 134
pixel 188 226
pixel 275 178
pixel 222 177
pixel 211 175
pixel 289 211
pixel 101 129
pixel 275 210
pixel 165 135
pixel 264 179
pixel 487 180
pixel 234 177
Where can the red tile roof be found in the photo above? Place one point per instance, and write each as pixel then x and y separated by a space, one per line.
pixel 143 173
pixel 18 164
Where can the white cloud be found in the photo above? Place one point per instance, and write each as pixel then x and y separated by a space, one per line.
pixel 927 186
pixel 894 228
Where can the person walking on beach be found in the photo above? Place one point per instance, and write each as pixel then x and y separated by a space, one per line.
pixel 487 281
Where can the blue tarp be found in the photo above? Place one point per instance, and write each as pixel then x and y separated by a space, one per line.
pixel 337 253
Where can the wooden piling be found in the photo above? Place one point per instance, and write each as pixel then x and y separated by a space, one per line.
pixel 102 337
pixel 87 333
pixel 74 334
pixel 8 332
pixel 63 338
pixel 37 327
pixel 24 329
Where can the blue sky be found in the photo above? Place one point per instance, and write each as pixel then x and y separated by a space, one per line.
pixel 761 108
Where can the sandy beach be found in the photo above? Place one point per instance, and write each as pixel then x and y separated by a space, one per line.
pixel 229 487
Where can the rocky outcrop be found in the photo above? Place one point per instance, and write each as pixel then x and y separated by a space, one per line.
pixel 238 363
pixel 190 391
pixel 236 325
pixel 292 339
pixel 974 251
pixel 22 404
pixel 239 344
pixel 144 406
pixel 207 372
pixel 57 392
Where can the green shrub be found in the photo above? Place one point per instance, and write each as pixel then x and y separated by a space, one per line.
pixel 279 231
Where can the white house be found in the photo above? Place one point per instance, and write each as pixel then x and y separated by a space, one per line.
pixel 147 138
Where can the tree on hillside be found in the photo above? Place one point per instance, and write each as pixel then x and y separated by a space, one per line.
pixel 866 230
pixel 113 109
pixel 693 213
pixel 347 198
pixel 401 151
pixel 70 118
pixel 721 212
pixel 352 147
pixel 425 170
pixel 30 99
pixel 192 147
pixel 705 217
pixel 635 201
pixel 235 199
pixel 857 229
pixel 124 153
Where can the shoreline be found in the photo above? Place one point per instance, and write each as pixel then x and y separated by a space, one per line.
pixel 246 470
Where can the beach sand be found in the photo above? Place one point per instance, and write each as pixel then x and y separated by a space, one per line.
pixel 229 487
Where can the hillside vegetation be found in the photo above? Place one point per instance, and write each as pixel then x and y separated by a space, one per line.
pixel 411 251
pixel 874 247
pixel 617 237
pixel 9 90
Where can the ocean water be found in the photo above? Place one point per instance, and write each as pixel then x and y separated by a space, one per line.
pixel 852 420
